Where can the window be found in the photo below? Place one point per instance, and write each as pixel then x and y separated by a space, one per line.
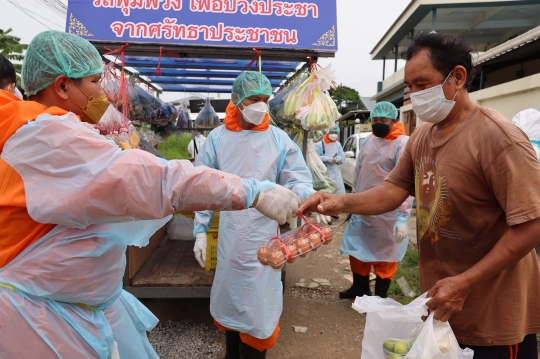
pixel 350 145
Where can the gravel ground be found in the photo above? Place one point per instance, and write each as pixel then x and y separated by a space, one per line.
pixel 185 340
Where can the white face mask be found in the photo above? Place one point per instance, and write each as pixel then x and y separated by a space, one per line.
pixel 255 113
pixel 333 137
pixel 430 105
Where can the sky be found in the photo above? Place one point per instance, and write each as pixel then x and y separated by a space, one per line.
pixel 361 24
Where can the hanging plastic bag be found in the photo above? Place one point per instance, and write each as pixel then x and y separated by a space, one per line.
pixel 136 112
pixel 160 113
pixel 395 331
pixel 332 186
pixel 114 126
pixel 180 228
pixel 183 116
pixel 208 116
pixel 316 167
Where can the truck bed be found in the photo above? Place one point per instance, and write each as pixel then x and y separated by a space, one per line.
pixel 166 269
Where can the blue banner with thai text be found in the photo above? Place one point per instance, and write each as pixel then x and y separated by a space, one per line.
pixel 307 25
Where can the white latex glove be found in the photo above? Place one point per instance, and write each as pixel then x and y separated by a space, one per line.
pixel 278 203
pixel 322 219
pixel 319 217
pixel 200 248
pixel 332 160
pixel 401 232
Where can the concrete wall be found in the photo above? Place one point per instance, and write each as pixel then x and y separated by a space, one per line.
pixel 511 97
pixel 362 128
pixel 395 77
pixel 508 74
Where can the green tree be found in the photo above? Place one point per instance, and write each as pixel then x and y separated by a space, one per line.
pixel 350 99
pixel 11 48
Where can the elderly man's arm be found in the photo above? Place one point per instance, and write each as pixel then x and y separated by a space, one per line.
pixel 449 294
pixel 377 200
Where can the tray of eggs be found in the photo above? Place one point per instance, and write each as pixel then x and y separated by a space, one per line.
pixel 290 246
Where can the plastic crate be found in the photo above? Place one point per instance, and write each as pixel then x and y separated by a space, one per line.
pixel 211 249
pixel 212 237
pixel 215 222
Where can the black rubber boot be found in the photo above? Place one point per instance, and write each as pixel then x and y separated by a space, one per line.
pixel 381 286
pixel 247 352
pixel 360 287
pixel 232 345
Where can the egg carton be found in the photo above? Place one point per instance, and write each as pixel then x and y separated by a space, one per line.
pixel 289 246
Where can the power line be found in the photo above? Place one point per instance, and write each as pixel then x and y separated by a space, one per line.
pixel 29 13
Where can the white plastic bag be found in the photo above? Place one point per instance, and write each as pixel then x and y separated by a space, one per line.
pixel 317 168
pixel 180 228
pixel 208 116
pixel 436 340
pixel 387 319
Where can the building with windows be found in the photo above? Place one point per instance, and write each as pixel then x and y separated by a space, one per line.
pixel 506 36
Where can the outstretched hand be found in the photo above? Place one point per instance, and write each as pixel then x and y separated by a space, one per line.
pixel 323 203
pixel 447 297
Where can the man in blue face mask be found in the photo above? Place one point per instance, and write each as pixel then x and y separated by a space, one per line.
pixel 474 175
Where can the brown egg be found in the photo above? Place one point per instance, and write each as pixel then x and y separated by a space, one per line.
pixel 312 229
pixel 302 246
pixel 276 259
pixel 328 234
pixel 293 253
pixel 263 254
pixel 289 239
pixel 315 240
pixel 300 233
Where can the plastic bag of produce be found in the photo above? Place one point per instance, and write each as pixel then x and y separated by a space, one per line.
pixel 148 103
pixel 395 331
pixel 317 168
pixel 136 112
pixel 160 113
pixel 183 116
pixel 208 116
pixel 115 126
pixel 180 228
pixel 298 97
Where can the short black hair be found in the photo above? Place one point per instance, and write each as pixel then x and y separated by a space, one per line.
pixel 446 52
pixel 7 72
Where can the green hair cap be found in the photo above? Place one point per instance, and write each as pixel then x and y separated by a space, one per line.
pixel 334 129
pixel 250 83
pixel 54 53
pixel 384 110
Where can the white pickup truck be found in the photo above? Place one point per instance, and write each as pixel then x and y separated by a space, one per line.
pixel 351 150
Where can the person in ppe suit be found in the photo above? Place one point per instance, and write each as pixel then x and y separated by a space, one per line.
pixel 71 202
pixel 195 145
pixel 529 122
pixel 331 153
pixel 246 298
pixel 377 241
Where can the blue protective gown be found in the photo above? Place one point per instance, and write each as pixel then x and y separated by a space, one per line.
pixel 371 238
pixel 247 296
pixel 82 182
pixel 333 149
